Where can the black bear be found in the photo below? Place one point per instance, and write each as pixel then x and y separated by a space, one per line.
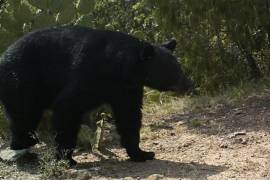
pixel 72 70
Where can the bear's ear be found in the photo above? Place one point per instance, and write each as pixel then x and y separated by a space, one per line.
pixel 147 53
pixel 170 45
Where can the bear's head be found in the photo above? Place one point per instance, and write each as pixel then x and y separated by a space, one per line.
pixel 162 70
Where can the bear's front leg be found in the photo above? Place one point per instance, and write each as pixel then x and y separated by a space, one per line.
pixel 128 115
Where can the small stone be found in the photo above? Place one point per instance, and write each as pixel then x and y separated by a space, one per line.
pixel 239 133
pixel 155 177
pixel 187 144
pixel 180 123
pixel 128 178
pixel 243 141
pixel 224 145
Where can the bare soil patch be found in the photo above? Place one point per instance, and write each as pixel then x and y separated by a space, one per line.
pixel 220 142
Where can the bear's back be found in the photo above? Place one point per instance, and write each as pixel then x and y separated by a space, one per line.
pixel 49 58
pixel 56 43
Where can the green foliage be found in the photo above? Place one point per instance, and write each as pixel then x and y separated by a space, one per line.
pixel 221 42
pixel 85 6
pixel 49 167
pixel 18 17
pixel 219 45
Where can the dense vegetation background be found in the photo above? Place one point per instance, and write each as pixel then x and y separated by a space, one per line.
pixel 220 43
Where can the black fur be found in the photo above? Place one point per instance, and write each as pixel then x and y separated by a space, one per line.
pixel 71 70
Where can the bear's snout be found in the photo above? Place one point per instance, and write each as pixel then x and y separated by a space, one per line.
pixel 183 86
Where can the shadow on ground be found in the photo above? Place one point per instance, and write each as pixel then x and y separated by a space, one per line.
pixel 113 168
pixel 252 115
pixel 169 169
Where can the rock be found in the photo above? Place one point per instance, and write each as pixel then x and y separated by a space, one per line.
pixel 187 143
pixel 239 133
pixel 179 123
pixel 244 141
pixel 223 145
pixel 155 177
pixel 12 155
pixel 128 178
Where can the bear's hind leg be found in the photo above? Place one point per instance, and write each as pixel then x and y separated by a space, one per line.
pixel 66 120
pixel 66 125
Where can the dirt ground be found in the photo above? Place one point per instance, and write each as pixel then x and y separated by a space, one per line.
pixel 220 142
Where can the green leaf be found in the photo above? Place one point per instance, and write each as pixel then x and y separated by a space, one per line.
pixel 9 23
pixel 85 20
pixel 41 4
pixel 56 6
pixel 14 3
pixel 67 15
pixel 85 6
pixel 6 39
pixel 43 19
pixel 23 13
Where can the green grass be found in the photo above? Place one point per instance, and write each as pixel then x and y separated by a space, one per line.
pixel 166 103
pixel 196 123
